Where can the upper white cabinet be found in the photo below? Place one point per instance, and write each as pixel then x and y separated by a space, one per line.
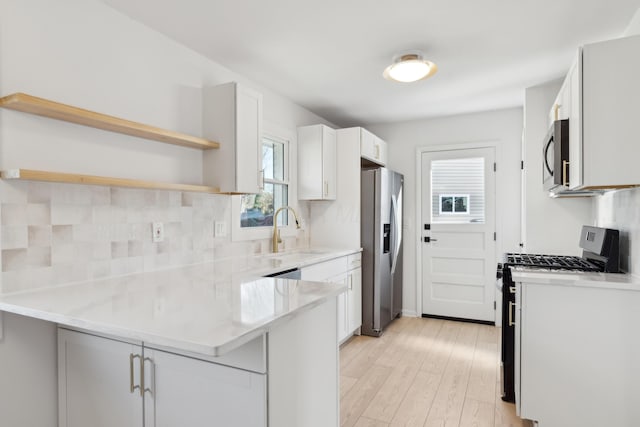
pixel 316 163
pixel 601 99
pixel 232 115
pixel 372 148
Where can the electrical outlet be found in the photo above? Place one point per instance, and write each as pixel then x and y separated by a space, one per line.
pixel 157 232
pixel 219 229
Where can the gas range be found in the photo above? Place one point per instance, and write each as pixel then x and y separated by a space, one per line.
pixel 601 253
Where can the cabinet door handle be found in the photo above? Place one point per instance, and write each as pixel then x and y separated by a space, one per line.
pixel 351 282
pixel 556 109
pixel 377 151
pixel 512 307
pixel 133 387
pixel 326 188
pixel 261 179
pixel 565 178
pixel 152 375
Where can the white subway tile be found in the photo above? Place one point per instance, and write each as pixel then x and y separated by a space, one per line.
pixel 38 214
pixel 14 214
pixel 70 214
pixel 14 259
pixel 39 236
pixel 14 237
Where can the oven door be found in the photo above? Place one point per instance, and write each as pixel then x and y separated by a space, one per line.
pixel 507 355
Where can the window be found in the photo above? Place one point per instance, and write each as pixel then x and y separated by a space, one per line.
pixel 454 204
pixel 256 210
pixel 457 190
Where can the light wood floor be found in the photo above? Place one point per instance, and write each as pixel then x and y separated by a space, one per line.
pixel 424 372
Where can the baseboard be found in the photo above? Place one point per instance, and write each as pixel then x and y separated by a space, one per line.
pixel 459 319
pixel 409 313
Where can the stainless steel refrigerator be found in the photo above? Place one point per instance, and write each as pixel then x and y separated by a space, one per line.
pixel 381 238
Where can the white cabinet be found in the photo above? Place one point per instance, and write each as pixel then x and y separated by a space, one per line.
pixel 343 307
pixel 232 116
pixel 95 380
pixel 372 148
pixel 576 345
pixel 345 270
pixel 192 392
pixel 603 91
pixel 106 382
pixel 354 294
pixel 316 163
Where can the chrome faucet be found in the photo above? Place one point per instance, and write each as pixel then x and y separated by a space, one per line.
pixel 276 232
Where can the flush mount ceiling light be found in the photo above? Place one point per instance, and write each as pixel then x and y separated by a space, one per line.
pixel 410 67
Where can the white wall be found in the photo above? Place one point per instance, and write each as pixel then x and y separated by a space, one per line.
pixel 86 54
pixel 634 25
pixel 552 225
pixel 503 127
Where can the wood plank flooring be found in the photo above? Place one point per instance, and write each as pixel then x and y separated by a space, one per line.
pixel 423 373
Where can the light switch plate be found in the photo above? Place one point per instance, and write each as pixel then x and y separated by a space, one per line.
pixel 219 229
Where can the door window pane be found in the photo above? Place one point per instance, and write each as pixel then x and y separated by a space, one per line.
pixel 457 191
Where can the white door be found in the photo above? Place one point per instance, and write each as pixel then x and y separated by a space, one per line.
pixel 458 239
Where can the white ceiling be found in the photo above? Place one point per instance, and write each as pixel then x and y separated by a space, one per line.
pixel 328 55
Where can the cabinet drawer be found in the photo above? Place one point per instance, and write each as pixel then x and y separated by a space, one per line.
pixel 354 261
pixel 322 271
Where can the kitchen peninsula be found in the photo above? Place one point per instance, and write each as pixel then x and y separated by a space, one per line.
pixel 192 344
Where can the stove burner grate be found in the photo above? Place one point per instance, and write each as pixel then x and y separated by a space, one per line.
pixel 553 262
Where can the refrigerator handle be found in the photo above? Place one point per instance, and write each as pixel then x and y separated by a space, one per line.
pixel 397 232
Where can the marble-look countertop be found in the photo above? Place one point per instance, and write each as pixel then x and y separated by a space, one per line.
pixel 619 281
pixel 208 308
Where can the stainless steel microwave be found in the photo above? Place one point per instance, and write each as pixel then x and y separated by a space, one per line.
pixel 555 156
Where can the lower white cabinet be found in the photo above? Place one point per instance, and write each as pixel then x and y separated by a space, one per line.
pixel 345 270
pixel 354 297
pixel 94 381
pixel 106 382
pixel 577 355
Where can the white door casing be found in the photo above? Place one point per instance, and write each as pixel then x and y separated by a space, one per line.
pixel 457 267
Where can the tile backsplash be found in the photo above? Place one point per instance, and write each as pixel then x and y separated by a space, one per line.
pixel 51 234
pixel 621 210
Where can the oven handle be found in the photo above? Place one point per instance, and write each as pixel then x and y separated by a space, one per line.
pixel 512 307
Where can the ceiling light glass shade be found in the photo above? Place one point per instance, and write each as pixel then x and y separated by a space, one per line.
pixel 409 68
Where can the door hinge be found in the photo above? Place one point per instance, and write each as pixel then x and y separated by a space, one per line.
pixel 495 167
pixel 494 236
pixel 521 164
pixel 494 305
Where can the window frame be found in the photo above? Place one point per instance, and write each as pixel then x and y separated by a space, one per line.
pixel 288 138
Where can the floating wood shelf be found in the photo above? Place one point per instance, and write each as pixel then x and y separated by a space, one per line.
pixel 71 178
pixel 44 107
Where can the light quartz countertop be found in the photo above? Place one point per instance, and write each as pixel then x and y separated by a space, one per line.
pixel 619 281
pixel 208 308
